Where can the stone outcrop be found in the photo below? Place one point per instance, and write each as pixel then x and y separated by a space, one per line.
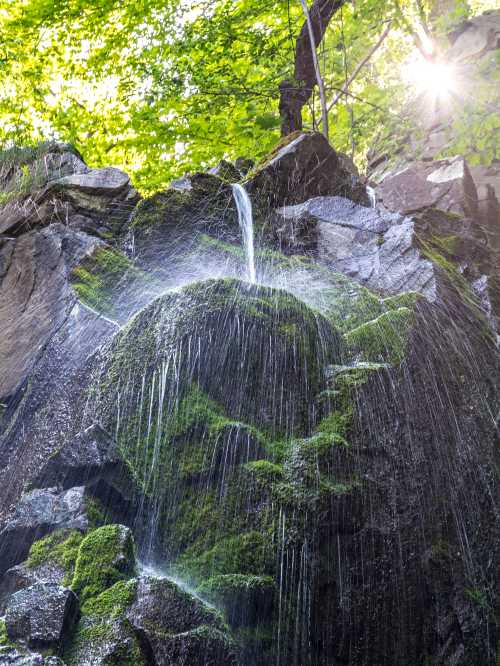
pixel 304 166
pixel 36 514
pixel 41 615
pixel 302 456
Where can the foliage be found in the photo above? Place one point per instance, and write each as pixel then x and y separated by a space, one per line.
pixel 163 87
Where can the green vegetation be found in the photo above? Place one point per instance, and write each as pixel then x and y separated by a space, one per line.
pixel 60 548
pixel 113 602
pixel 100 275
pixel 168 88
pixel 112 548
pixel 384 338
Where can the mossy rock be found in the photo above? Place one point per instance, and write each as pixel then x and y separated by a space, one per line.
pixel 59 549
pixel 101 277
pixel 105 556
pixel 385 338
pixel 246 600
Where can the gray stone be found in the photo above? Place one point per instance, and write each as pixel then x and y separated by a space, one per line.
pixel 10 656
pixel 374 247
pixel 35 296
pixel 88 458
pixel 41 615
pixel 305 167
pixel 445 185
pixel 38 513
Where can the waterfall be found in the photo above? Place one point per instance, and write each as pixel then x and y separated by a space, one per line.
pixel 372 196
pixel 245 220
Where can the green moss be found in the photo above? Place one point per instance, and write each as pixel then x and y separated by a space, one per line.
pixel 113 602
pixel 4 639
pixel 248 553
pixel 105 556
pixel 99 275
pixel 383 339
pixel 407 299
pixel 264 471
pixel 60 548
pixel 163 205
pixel 25 155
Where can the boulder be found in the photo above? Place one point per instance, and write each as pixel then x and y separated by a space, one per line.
pixel 10 656
pixel 445 184
pixel 38 513
pixel 15 579
pixel 374 247
pixel 41 615
pixel 91 456
pixel 303 166
pixel 246 600
pixel 180 628
pixel 106 556
pixel 53 184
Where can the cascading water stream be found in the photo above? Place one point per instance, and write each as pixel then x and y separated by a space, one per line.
pixel 245 220
pixel 372 196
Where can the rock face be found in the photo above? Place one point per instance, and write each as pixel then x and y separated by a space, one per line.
pixel 41 615
pixel 298 456
pixel 446 185
pixel 305 167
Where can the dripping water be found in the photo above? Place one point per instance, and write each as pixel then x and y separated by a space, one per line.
pixel 245 220
pixel 371 196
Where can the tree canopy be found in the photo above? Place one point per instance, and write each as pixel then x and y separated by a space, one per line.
pixel 161 87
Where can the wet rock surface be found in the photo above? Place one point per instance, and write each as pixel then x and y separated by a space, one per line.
pixel 41 615
pixel 37 513
pixel 300 459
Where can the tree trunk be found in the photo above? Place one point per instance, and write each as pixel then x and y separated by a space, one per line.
pixel 296 93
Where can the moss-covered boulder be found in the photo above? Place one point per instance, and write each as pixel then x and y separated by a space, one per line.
pixel 150 620
pixel 105 556
pixel 246 600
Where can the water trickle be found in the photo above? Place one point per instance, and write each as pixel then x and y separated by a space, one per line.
pixel 245 220
pixel 372 196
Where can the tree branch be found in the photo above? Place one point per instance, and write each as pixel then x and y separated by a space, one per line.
pixel 359 67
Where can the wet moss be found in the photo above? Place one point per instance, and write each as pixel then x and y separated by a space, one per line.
pixel 384 338
pixel 106 556
pixel 113 602
pixel 247 553
pixel 99 275
pixel 60 548
pixel 159 207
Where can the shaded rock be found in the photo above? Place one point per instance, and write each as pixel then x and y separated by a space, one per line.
pixel 10 656
pixel 227 171
pixel 203 646
pixel 104 642
pixel 50 404
pixel 41 615
pixel 179 628
pixel 446 185
pixel 305 166
pixel 246 600
pixel 38 513
pixel 15 579
pixel 59 187
pixel 90 457
pixel 35 296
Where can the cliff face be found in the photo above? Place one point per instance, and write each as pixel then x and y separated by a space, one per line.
pixel 315 455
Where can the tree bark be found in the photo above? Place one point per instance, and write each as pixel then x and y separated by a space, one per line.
pixel 296 93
